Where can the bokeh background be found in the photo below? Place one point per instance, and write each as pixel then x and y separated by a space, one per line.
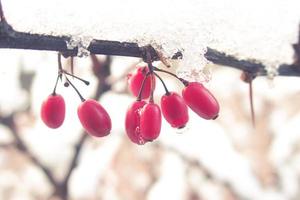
pixel 222 159
pixel 226 158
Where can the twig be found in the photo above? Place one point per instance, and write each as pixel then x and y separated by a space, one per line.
pixel 297 50
pixel 248 78
pixel 9 38
pixel 63 191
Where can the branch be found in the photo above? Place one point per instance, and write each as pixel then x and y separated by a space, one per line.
pixel 22 147
pixel 192 162
pixel 9 38
pixel 297 50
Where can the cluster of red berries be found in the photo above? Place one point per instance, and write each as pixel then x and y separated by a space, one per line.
pixel 93 117
pixel 143 118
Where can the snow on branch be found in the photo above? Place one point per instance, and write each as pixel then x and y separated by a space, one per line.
pixel 9 38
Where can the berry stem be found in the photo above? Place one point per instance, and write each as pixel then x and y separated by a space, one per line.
pixel 80 96
pixel 54 90
pixel 60 69
pixel 72 66
pixel 149 61
pixel 166 89
pixel 152 89
pixel 72 75
pixel 139 98
pixel 184 82
pixel 251 103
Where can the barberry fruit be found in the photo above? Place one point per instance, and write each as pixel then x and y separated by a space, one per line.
pixel 174 110
pixel 135 82
pixel 132 122
pixel 150 121
pixel 200 100
pixel 94 118
pixel 53 111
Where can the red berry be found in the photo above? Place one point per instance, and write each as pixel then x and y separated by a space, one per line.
pixel 174 110
pixel 135 81
pixel 150 121
pixel 132 122
pixel 94 118
pixel 201 101
pixel 53 111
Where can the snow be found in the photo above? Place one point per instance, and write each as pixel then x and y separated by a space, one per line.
pixel 257 29
pixel 262 30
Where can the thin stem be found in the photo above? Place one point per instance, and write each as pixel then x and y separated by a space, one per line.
pixel 251 102
pixel 149 60
pixel 84 81
pixel 152 89
pixel 166 89
pixel 54 90
pixel 72 66
pixel 80 96
pixel 2 17
pixel 139 98
pixel 184 82
pixel 151 69
pixel 60 69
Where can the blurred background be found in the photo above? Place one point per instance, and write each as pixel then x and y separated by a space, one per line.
pixel 222 159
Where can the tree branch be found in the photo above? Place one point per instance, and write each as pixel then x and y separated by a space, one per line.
pixel 192 162
pixel 297 50
pixel 9 38
pixel 22 147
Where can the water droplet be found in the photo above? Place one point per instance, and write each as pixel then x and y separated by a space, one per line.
pixel 141 140
pixel 137 130
pixel 182 130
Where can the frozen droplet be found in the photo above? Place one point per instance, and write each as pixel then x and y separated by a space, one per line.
pixel 141 140
pixel 182 130
pixel 137 130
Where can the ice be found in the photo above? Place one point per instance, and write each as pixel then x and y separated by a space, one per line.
pixel 195 74
pixel 82 43
pixel 262 30
pixel 271 71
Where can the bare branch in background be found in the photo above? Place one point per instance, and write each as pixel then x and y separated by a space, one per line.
pixel 2 17
pixel 194 163
pixel 22 147
pixel 60 187
pixel 297 50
